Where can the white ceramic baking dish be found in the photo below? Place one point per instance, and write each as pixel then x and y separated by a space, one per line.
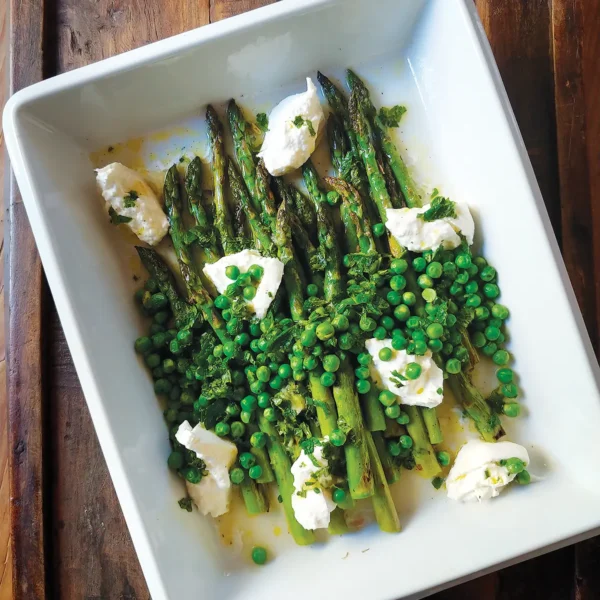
pixel 460 134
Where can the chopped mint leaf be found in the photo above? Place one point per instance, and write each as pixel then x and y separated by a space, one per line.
pixel 487 474
pixel 440 391
pixel 390 117
pixel 440 208
pixel 185 504
pixel 311 129
pixel 437 482
pixel 435 193
pixel 317 490
pixel 298 121
pixel 116 218
pixel 262 121
pixel 280 498
pixel 130 198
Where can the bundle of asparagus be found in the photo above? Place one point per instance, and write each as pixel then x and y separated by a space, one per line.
pixel 299 384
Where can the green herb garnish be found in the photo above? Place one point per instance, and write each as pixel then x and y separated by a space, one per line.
pixel 262 121
pixel 130 199
pixel 116 218
pixel 390 117
pixel 440 208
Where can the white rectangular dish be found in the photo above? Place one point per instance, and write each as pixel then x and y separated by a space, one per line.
pixel 460 135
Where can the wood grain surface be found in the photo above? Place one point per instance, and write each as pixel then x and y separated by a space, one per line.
pixel 71 541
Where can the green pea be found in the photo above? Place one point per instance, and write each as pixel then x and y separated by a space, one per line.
pixel 409 299
pixel 276 383
pixel 491 290
pixel 299 376
pixel 363 386
pixel 456 289
pixel 229 349
pixel 325 331
pixel 152 360
pixel 255 330
pixel 264 400
pixel 392 412
pixel 394 448
pixel 331 363
pixel 256 272
pixel 364 359
pixel 501 357
pixel 346 341
pixel 394 298
pixel 249 403
pixel 500 312
pixel 402 312
pixel 435 331
pixel 434 270
pixel 435 345
pixel 490 349
pixel 399 342
pixel 233 410
pixel 492 333
pixel 247 460
pixel 284 371
pixel 237 475
pixel 161 317
pixel 387 398
pixel 187 398
pixel 398 266
pixel 473 301
pixel 462 354
pixel 232 272
pixel 413 322
pixel 523 478
pixel 462 278
pixel 471 287
pixel 482 313
pixel 367 324
pixel 337 437
pixel 310 363
pixel 193 475
pixel 505 375
pixel 424 281
pixel 387 323
pixel 386 354
pixel 380 333
pixel 222 302
pixel 340 323
pixel 175 460
pixel 509 390
pixel 255 472
pixel 453 366
pixel 488 274
pixel 338 496
pixel 406 441
pixel 263 374
pixel 143 345
pixel 327 379
pixel 512 409
pixel 429 294
pixel 398 283
pixel 246 417
pixel 308 338
pixel 312 290
pixel 443 458
pixel 419 264
pixel 402 419
pixel 463 261
pixel 449 269
pixel 420 347
pixel 222 429
pixel 478 339
pixel 378 229
pixel 237 429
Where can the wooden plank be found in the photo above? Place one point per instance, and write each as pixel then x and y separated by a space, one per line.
pixel 24 376
pixel 576 207
pixel 221 9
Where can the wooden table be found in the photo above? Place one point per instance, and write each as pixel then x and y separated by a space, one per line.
pixel 70 539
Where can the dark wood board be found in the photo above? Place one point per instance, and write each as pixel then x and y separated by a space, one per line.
pixel 70 539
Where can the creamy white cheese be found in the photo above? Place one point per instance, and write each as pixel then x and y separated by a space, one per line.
pixel 148 220
pixel 311 501
pixel 288 145
pixel 477 474
pixel 423 391
pixel 213 493
pixel 418 235
pixel 266 289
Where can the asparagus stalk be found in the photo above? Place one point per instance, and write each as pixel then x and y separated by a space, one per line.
pixel 254 499
pixel 193 188
pixel 261 235
pixel 196 291
pixel 160 272
pixel 423 453
pixel 285 481
pixel 219 164
pixel 303 209
pixel 434 431
pixel 391 470
pixel 385 511
pixel 292 275
pixel 310 255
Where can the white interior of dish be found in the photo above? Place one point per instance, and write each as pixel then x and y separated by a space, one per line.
pixel 460 136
